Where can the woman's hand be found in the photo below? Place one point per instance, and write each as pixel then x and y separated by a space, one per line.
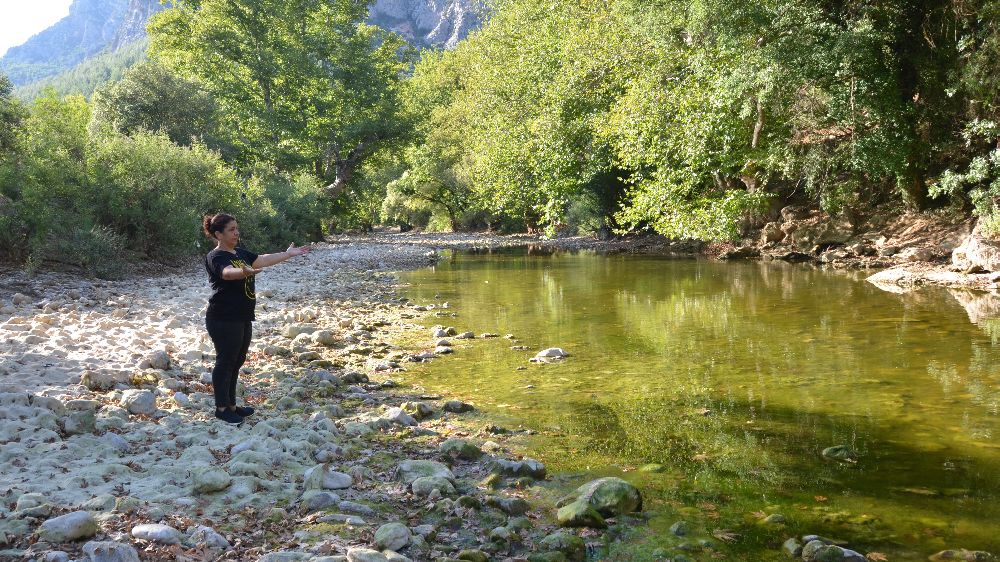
pixel 250 271
pixel 297 251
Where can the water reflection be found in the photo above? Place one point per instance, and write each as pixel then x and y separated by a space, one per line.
pixel 738 375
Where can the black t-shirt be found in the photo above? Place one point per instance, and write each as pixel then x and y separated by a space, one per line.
pixel 230 300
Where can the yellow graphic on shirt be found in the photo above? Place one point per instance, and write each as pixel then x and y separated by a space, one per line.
pixel 247 283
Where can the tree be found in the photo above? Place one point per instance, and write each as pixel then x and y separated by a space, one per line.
pixel 11 117
pixel 149 97
pixel 300 84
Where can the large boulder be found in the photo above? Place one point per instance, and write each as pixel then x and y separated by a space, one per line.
pixel 608 496
pixel 977 251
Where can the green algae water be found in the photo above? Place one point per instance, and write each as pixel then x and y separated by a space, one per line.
pixel 733 378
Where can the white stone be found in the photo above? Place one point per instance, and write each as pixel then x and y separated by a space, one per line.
pixel 139 401
pixel 398 416
pixel 158 359
pixel 552 352
pixel 155 532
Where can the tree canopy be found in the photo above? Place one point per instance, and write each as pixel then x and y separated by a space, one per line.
pixel 300 85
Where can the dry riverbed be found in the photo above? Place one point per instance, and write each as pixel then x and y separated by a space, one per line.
pixel 109 450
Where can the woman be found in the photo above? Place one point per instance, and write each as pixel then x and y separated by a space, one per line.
pixel 231 272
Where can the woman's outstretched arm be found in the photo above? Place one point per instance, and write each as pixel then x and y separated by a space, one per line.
pixel 267 260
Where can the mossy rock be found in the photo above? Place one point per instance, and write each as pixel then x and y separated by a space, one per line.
pixel 608 496
pixel 841 453
pixel 570 545
pixel 580 514
pixel 461 448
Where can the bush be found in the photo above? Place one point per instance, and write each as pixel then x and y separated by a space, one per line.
pixel 154 193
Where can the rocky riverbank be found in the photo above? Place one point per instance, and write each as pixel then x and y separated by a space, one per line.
pixel 110 450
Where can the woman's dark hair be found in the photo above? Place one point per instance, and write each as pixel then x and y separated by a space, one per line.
pixel 216 223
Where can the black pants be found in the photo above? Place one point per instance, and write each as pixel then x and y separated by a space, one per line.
pixel 232 340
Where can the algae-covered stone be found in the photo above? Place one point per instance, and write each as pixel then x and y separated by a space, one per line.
pixel 69 527
pixel 961 555
pixel 419 410
pixel 461 449
pixel 458 407
pixel 424 485
pixel 680 529
pixel 608 496
pixel 473 555
pixel 392 536
pixel 572 546
pixel 841 453
pixel 527 467
pixel 579 514
pixel 547 557
pixel 410 470
pixel 792 547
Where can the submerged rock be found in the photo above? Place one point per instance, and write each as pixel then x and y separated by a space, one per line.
pixel 842 453
pixel 961 555
pixel 608 496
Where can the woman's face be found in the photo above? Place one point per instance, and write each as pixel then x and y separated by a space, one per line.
pixel 229 235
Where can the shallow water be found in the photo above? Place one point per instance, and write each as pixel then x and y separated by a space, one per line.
pixel 735 377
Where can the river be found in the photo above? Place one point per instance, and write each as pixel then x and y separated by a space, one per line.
pixel 734 377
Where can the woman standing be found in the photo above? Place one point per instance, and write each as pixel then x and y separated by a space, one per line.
pixel 231 272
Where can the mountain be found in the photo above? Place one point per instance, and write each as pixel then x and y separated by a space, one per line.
pixel 92 27
pixel 428 23
pixel 100 38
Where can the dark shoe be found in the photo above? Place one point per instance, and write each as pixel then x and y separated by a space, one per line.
pixel 229 416
pixel 246 411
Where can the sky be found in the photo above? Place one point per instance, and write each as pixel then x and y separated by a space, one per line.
pixel 20 19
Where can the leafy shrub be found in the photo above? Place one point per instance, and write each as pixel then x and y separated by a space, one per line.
pixel 154 192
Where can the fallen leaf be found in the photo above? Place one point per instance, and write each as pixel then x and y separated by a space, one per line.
pixel 876 557
pixel 820 498
pixel 725 535
pixel 759 514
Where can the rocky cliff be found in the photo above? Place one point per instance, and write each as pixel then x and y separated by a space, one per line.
pixel 437 23
pixel 92 27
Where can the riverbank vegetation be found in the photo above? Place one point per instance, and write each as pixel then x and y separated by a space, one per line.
pixel 692 119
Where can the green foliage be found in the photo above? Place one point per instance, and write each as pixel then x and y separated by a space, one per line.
pixel 300 85
pixel 11 117
pixel 151 98
pixel 100 201
pixel 154 192
pixel 980 180
pixel 284 209
pixel 689 117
